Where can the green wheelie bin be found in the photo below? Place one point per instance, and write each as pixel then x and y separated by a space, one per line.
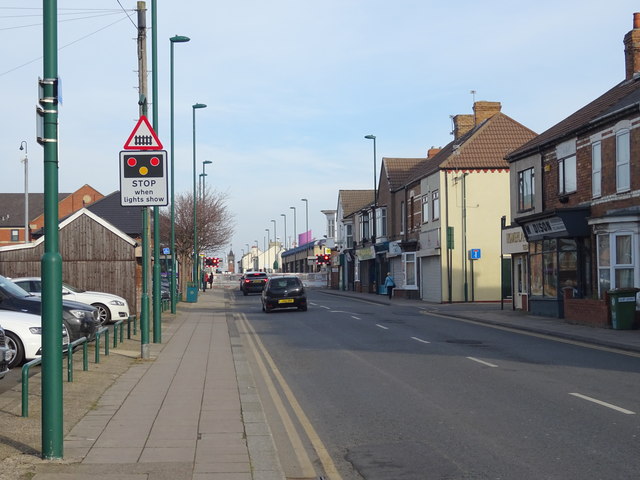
pixel 622 302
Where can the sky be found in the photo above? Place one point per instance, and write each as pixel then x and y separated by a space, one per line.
pixel 292 88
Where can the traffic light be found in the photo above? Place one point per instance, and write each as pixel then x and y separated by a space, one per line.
pixel 326 259
pixel 319 259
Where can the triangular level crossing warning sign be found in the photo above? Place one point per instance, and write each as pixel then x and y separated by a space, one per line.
pixel 143 137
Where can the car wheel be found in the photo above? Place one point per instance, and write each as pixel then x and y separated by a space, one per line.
pixel 16 348
pixel 303 309
pixel 245 293
pixel 267 309
pixel 104 315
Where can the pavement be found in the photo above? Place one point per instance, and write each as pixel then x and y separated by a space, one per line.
pixel 193 411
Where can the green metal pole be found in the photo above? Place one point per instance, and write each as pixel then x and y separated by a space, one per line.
pixel 195 218
pixel 157 315
pixel 51 261
pixel 172 283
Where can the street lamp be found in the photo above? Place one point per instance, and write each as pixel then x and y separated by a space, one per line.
pixel 375 187
pixel 25 160
pixel 266 267
pixel 306 233
pixel 257 257
pixel 195 216
pixel 295 232
pixel 172 40
pixel 285 229
pixel 204 162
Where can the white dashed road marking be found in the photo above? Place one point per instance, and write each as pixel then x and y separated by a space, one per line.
pixel 604 404
pixel 483 362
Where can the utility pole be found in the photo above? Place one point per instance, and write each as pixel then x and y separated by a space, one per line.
pixel 157 328
pixel 142 102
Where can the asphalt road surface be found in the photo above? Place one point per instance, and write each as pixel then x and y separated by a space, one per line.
pixel 355 390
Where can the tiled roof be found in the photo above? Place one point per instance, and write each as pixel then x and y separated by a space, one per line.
pixel 126 219
pixel 12 208
pixel 623 95
pixel 483 147
pixel 398 170
pixel 354 200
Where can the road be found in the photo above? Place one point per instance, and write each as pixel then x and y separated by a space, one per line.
pixel 383 392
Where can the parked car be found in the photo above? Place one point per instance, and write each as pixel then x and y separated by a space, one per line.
pixel 110 307
pixel 253 282
pixel 284 292
pixel 23 332
pixel 5 354
pixel 80 319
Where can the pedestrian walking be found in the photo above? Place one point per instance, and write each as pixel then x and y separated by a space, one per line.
pixel 210 280
pixel 390 284
pixel 204 281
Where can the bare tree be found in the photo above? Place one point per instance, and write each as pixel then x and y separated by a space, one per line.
pixel 215 226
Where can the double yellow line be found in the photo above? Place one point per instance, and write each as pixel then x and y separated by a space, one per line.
pixel 269 370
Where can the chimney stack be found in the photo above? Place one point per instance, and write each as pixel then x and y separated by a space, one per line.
pixel 483 110
pixel 461 125
pixel 432 152
pixel 632 48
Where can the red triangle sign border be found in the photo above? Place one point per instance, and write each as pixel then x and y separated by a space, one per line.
pixel 152 142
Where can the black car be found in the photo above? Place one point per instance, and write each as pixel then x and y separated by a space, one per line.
pixel 284 292
pixel 253 282
pixel 80 319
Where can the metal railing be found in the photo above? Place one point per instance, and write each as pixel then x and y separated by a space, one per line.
pixel 118 331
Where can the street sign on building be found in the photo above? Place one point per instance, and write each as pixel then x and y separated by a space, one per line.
pixel 143 178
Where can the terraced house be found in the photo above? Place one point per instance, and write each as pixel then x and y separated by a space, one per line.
pixel 575 195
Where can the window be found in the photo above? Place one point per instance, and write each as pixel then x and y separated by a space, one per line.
pixel 349 235
pixel 435 205
pixel 381 227
pixel 411 213
pixel 616 262
pixel 403 217
pixel 410 269
pixel 425 209
pixel 596 169
pixel 567 181
pixel 622 161
pixel 364 225
pixel 526 189
pixel 14 235
pixel 331 227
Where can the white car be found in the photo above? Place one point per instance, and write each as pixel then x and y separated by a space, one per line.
pixel 23 333
pixel 110 307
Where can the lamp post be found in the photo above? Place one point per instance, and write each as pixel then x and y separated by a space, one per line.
pixel 248 256
pixel 375 187
pixel 200 187
pixel 306 232
pixel 285 229
pixel 373 210
pixel 266 267
pixel 195 216
pixel 25 160
pixel 204 162
pixel 173 40
pixel 257 257
pixel 295 232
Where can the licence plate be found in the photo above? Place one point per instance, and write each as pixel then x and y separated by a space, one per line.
pixel 286 300
pixel 256 281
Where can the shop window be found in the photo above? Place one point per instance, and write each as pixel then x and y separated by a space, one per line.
pixel 544 268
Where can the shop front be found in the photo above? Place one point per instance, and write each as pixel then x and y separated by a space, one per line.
pixel 559 256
